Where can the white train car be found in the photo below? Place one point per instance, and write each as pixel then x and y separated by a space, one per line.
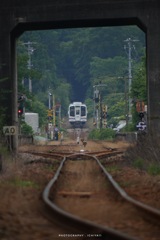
pixel 77 114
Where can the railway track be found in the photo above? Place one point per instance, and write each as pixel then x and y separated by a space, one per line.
pixel 85 197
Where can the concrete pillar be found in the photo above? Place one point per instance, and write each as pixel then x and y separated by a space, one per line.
pixel 5 80
pixel 153 72
pixel 8 78
pixel 14 81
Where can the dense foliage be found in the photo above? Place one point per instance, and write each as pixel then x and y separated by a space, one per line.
pixel 26 129
pixel 102 134
pixel 69 62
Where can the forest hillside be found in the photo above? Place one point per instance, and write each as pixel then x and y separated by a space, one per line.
pixel 70 62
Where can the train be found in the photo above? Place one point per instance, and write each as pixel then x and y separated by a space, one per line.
pixel 77 114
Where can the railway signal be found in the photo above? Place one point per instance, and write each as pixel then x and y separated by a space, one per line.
pixel 21 104
pixel 104 116
pixel 20 109
pixel 20 112
pixel 141 115
pixel 104 111
pixel 140 106
pixel 141 109
pixel 50 113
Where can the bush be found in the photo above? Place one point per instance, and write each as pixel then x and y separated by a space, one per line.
pixel 145 154
pixel 154 169
pixel 26 129
pixel 102 134
pixel 138 163
pixel 131 127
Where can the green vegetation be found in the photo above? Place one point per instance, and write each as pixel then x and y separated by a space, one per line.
pixel 3 150
pixel 138 163
pixel 23 183
pixel 102 134
pixel 145 154
pixel 113 169
pixel 71 61
pixel 154 169
pixel 26 129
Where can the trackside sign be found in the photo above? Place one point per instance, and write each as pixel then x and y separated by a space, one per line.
pixel 9 130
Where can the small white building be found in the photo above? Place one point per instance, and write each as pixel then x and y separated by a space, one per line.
pixel 32 119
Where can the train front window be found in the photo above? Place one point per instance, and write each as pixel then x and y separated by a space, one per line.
pixel 77 111
pixel 72 111
pixel 83 111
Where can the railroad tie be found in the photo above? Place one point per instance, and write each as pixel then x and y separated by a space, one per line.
pixel 75 194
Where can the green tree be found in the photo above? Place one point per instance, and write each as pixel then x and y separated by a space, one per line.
pixel 80 57
pixel 139 91
pixel 139 88
pixel 40 108
pixel 62 95
pixel 100 68
pixel 26 129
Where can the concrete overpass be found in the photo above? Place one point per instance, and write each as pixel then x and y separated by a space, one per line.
pixel 17 16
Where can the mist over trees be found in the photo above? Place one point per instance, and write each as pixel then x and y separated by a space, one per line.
pixel 71 61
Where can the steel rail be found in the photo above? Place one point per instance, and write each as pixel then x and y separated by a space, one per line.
pixel 47 155
pixel 61 154
pixel 138 204
pixel 74 221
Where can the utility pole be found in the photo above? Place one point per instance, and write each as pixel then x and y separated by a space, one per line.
pixel 30 51
pixel 129 47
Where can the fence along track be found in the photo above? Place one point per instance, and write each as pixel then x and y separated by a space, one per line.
pixel 74 221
